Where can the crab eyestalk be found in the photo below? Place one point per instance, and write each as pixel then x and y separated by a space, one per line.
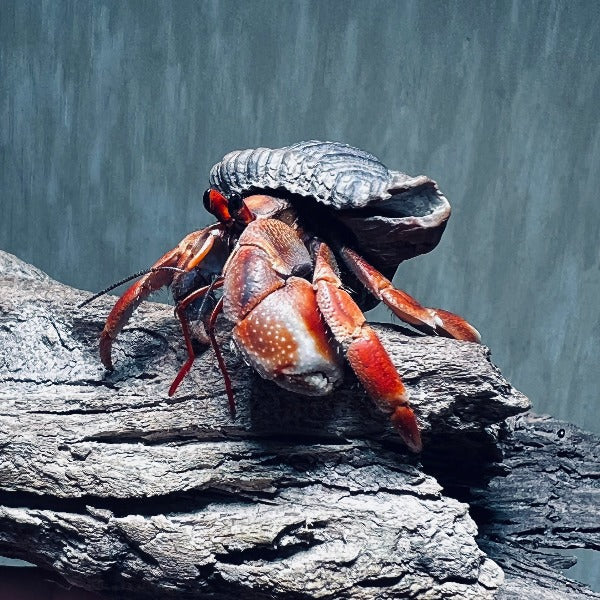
pixel 239 211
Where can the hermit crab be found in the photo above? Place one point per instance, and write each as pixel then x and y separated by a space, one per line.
pixel 297 229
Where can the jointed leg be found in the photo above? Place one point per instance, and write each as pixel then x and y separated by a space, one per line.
pixel 131 299
pixel 185 327
pixel 428 320
pixel 366 355
pixel 185 256
pixel 215 346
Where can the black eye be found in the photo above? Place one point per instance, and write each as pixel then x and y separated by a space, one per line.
pixel 561 433
pixel 206 200
pixel 235 203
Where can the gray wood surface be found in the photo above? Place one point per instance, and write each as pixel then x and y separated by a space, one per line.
pixel 116 487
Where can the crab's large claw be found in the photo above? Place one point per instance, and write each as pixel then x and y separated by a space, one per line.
pixel 428 320
pixel 279 328
pixel 366 355
pixel 186 256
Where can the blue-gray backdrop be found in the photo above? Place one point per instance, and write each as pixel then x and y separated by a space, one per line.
pixel 112 112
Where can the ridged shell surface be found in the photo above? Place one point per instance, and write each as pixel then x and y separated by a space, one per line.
pixel 406 215
pixel 336 174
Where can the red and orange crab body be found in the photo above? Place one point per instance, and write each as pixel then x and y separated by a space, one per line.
pixel 277 277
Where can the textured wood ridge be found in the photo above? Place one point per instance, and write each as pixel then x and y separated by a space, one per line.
pixel 108 482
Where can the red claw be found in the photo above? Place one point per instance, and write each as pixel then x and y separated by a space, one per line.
pixel 366 355
pixel 278 326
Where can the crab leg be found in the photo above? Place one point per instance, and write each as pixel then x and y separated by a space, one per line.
pixel 213 341
pixel 428 320
pixel 185 327
pixel 365 353
pixel 186 256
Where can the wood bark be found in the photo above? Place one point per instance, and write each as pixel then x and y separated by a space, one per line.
pixel 118 488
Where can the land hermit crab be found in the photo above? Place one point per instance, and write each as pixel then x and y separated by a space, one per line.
pixel 270 264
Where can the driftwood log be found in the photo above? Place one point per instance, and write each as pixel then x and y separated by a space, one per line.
pixel 118 488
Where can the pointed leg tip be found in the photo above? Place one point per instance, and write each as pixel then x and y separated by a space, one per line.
pixel 415 445
pixel 405 422
pixel 107 362
pixel 175 385
pixel 476 336
pixel 456 327
pixel 468 333
pixel 232 407
pixel 105 351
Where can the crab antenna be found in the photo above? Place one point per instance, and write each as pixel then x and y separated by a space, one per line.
pixel 134 276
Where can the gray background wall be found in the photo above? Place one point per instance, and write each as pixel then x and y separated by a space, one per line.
pixel 111 114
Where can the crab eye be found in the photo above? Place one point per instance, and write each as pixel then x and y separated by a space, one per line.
pixel 216 203
pixel 235 202
pixel 213 200
pixel 206 200
pixel 238 209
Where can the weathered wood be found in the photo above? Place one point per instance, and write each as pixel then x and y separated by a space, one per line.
pixel 107 481
pixel 546 496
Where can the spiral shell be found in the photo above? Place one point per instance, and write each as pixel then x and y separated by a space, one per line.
pixel 393 216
